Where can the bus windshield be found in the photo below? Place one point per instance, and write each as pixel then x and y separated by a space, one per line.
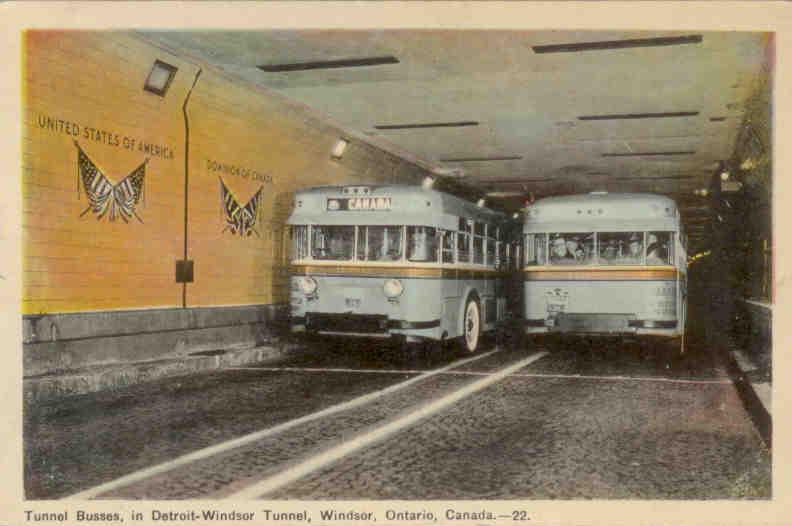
pixel 331 242
pixel 479 244
pixel 599 248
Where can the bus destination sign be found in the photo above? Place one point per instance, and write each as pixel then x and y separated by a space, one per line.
pixel 359 204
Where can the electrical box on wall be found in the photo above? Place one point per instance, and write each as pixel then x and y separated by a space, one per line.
pixel 184 271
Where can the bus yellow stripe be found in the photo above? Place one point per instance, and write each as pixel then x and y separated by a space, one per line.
pixel 395 271
pixel 600 274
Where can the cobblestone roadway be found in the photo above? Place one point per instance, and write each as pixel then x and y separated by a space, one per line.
pixel 86 440
pixel 539 434
pixel 552 436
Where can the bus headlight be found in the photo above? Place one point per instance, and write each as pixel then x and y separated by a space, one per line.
pixel 307 285
pixel 392 288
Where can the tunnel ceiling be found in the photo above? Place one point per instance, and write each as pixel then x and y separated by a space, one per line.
pixel 512 112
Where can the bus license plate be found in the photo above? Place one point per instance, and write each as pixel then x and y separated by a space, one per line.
pixel 557 300
pixel 352 303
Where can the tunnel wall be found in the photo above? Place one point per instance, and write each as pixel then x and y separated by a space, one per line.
pixel 745 251
pixel 98 287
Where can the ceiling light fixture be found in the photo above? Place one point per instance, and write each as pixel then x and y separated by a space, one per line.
pixel 652 178
pixel 481 159
pixel 505 194
pixel 449 172
pixel 625 116
pixel 649 154
pixel 425 125
pixel 617 44
pixel 160 77
pixel 329 64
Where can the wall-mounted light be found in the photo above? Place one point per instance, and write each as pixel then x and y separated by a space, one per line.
pixel 160 77
pixel 731 186
pixel 339 148
pixel 724 175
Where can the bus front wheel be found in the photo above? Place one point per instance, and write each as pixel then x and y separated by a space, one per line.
pixel 471 331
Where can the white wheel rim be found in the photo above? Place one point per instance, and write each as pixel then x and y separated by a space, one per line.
pixel 471 326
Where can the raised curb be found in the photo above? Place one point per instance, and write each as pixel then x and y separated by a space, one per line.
pixel 60 384
pixel 754 395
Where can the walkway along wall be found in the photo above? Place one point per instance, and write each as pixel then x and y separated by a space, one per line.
pixel 114 195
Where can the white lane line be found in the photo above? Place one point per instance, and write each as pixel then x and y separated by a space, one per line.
pixel 626 378
pixel 482 373
pixel 334 454
pixel 325 370
pixel 257 435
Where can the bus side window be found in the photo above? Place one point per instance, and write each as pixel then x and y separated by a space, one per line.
pixel 422 243
pixel 448 246
pixel 299 235
pixel 491 246
pixel 535 249
pixel 362 233
pixel 659 248
pixel 478 243
pixel 463 241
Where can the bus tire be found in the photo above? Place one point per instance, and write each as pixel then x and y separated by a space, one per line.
pixel 471 326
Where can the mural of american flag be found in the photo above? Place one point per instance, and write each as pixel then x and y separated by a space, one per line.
pixel 239 219
pixel 104 198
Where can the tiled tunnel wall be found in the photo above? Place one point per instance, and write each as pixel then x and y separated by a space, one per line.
pixel 88 273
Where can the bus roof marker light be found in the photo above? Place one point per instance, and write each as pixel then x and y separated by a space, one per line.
pixel 427 183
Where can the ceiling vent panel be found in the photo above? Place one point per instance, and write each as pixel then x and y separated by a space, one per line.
pixel 412 126
pixel 481 159
pixel 330 64
pixel 649 154
pixel 625 116
pixel 618 44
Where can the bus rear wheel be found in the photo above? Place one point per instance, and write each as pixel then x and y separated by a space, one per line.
pixel 471 331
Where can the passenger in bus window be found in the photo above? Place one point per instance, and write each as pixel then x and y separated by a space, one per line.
pixel 610 250
pixel 422 243
pixel 635 248
pixel 656 250
pixel 340 247
pixel 574 249
pixel 559 253
pixel 418 248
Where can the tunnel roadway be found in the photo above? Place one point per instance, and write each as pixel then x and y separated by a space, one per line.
pixel 337 420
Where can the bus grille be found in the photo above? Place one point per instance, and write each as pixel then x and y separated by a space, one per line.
pixel 359 323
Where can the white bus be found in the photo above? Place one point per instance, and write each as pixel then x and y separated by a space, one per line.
pixel 605 263
pixel 403 261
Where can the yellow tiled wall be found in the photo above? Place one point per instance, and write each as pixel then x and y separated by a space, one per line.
pixel 87 86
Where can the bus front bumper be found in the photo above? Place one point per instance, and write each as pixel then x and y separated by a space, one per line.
pixel 607 324
pixel 366 325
